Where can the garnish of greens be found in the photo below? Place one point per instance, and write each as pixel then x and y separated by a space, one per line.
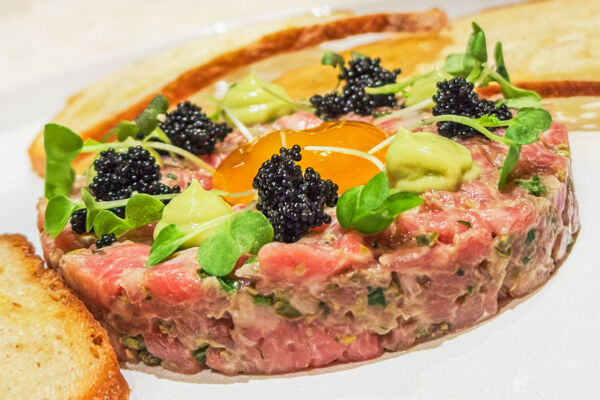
pixel 525 128
pixel 373 207
pixel 62 147
pixel 534 186
pixel 239 233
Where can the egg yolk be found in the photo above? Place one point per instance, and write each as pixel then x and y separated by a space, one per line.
pixel 237 171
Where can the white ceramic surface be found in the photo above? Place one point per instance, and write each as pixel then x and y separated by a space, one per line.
pixel 547 347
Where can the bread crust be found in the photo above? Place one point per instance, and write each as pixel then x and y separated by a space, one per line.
pixel 109 384
pixel 284 41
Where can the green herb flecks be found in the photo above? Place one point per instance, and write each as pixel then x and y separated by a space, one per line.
pixel 200 354
pixel 534 186
pixel 427 239
pixel 376 296
pixel 531 234
pixel 465 223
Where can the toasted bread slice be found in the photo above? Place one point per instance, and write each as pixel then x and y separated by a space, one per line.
pixel 50 346
pixel 183 71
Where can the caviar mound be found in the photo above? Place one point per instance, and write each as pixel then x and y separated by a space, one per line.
pixel 293 202
pixel 457 97
pixel 361 72
pixel 189 128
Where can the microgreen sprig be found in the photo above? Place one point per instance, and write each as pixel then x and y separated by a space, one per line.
pixel 373 207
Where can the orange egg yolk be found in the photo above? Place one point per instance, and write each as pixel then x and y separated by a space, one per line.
pixel 237 171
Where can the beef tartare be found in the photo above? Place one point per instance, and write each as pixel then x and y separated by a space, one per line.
pixel 224 245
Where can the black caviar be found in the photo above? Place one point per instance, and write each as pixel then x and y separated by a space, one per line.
pixel 292 201
pixel 457 97
pixel 78 221
pixel 189 128
pixel 361 72
pixel 106 240
pixel 118 176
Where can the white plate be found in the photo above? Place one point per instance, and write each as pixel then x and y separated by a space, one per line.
pixel 547 347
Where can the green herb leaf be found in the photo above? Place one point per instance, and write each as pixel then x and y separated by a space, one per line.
pixel 459 65
pixel 251 230
pixel 246 233
pixel 465 223
pixel 333 59
pixel 92 209
pixel 499 60
pixel 147 121
pixel 375 296
pixel 512 157
pixel 107 222
pixel 534 186
pixel 158 135
pixel 62 146
pixel 57 215
pixel 476 46
pixel 374 193
pixel 526 126
pixel 371 208
pixel 141 209
pixel 169 239
pixel 347 206
pixel 125 129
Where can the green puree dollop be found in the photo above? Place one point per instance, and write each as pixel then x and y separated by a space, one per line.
pixel 419 161
pixel 254 101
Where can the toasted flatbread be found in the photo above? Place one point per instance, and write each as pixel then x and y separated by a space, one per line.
pixel 50 345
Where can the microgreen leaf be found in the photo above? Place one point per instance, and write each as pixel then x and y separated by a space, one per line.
pixel 125 129
pixel 62 146
pixel 92 208
pixel 251 231
pixel 169 239
pixel 333 59
pixel 246 233
pixel 534 186
pixel 374 193
pixel 141 209
pixel 58 212
pixel 347 205
pixel 108 222
pixel 458 65
pixel 371 208
pixel 217 255
pixel 526 126
pixel 476 46
pixel 147 121
pixel 512 157
pixel 499 60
